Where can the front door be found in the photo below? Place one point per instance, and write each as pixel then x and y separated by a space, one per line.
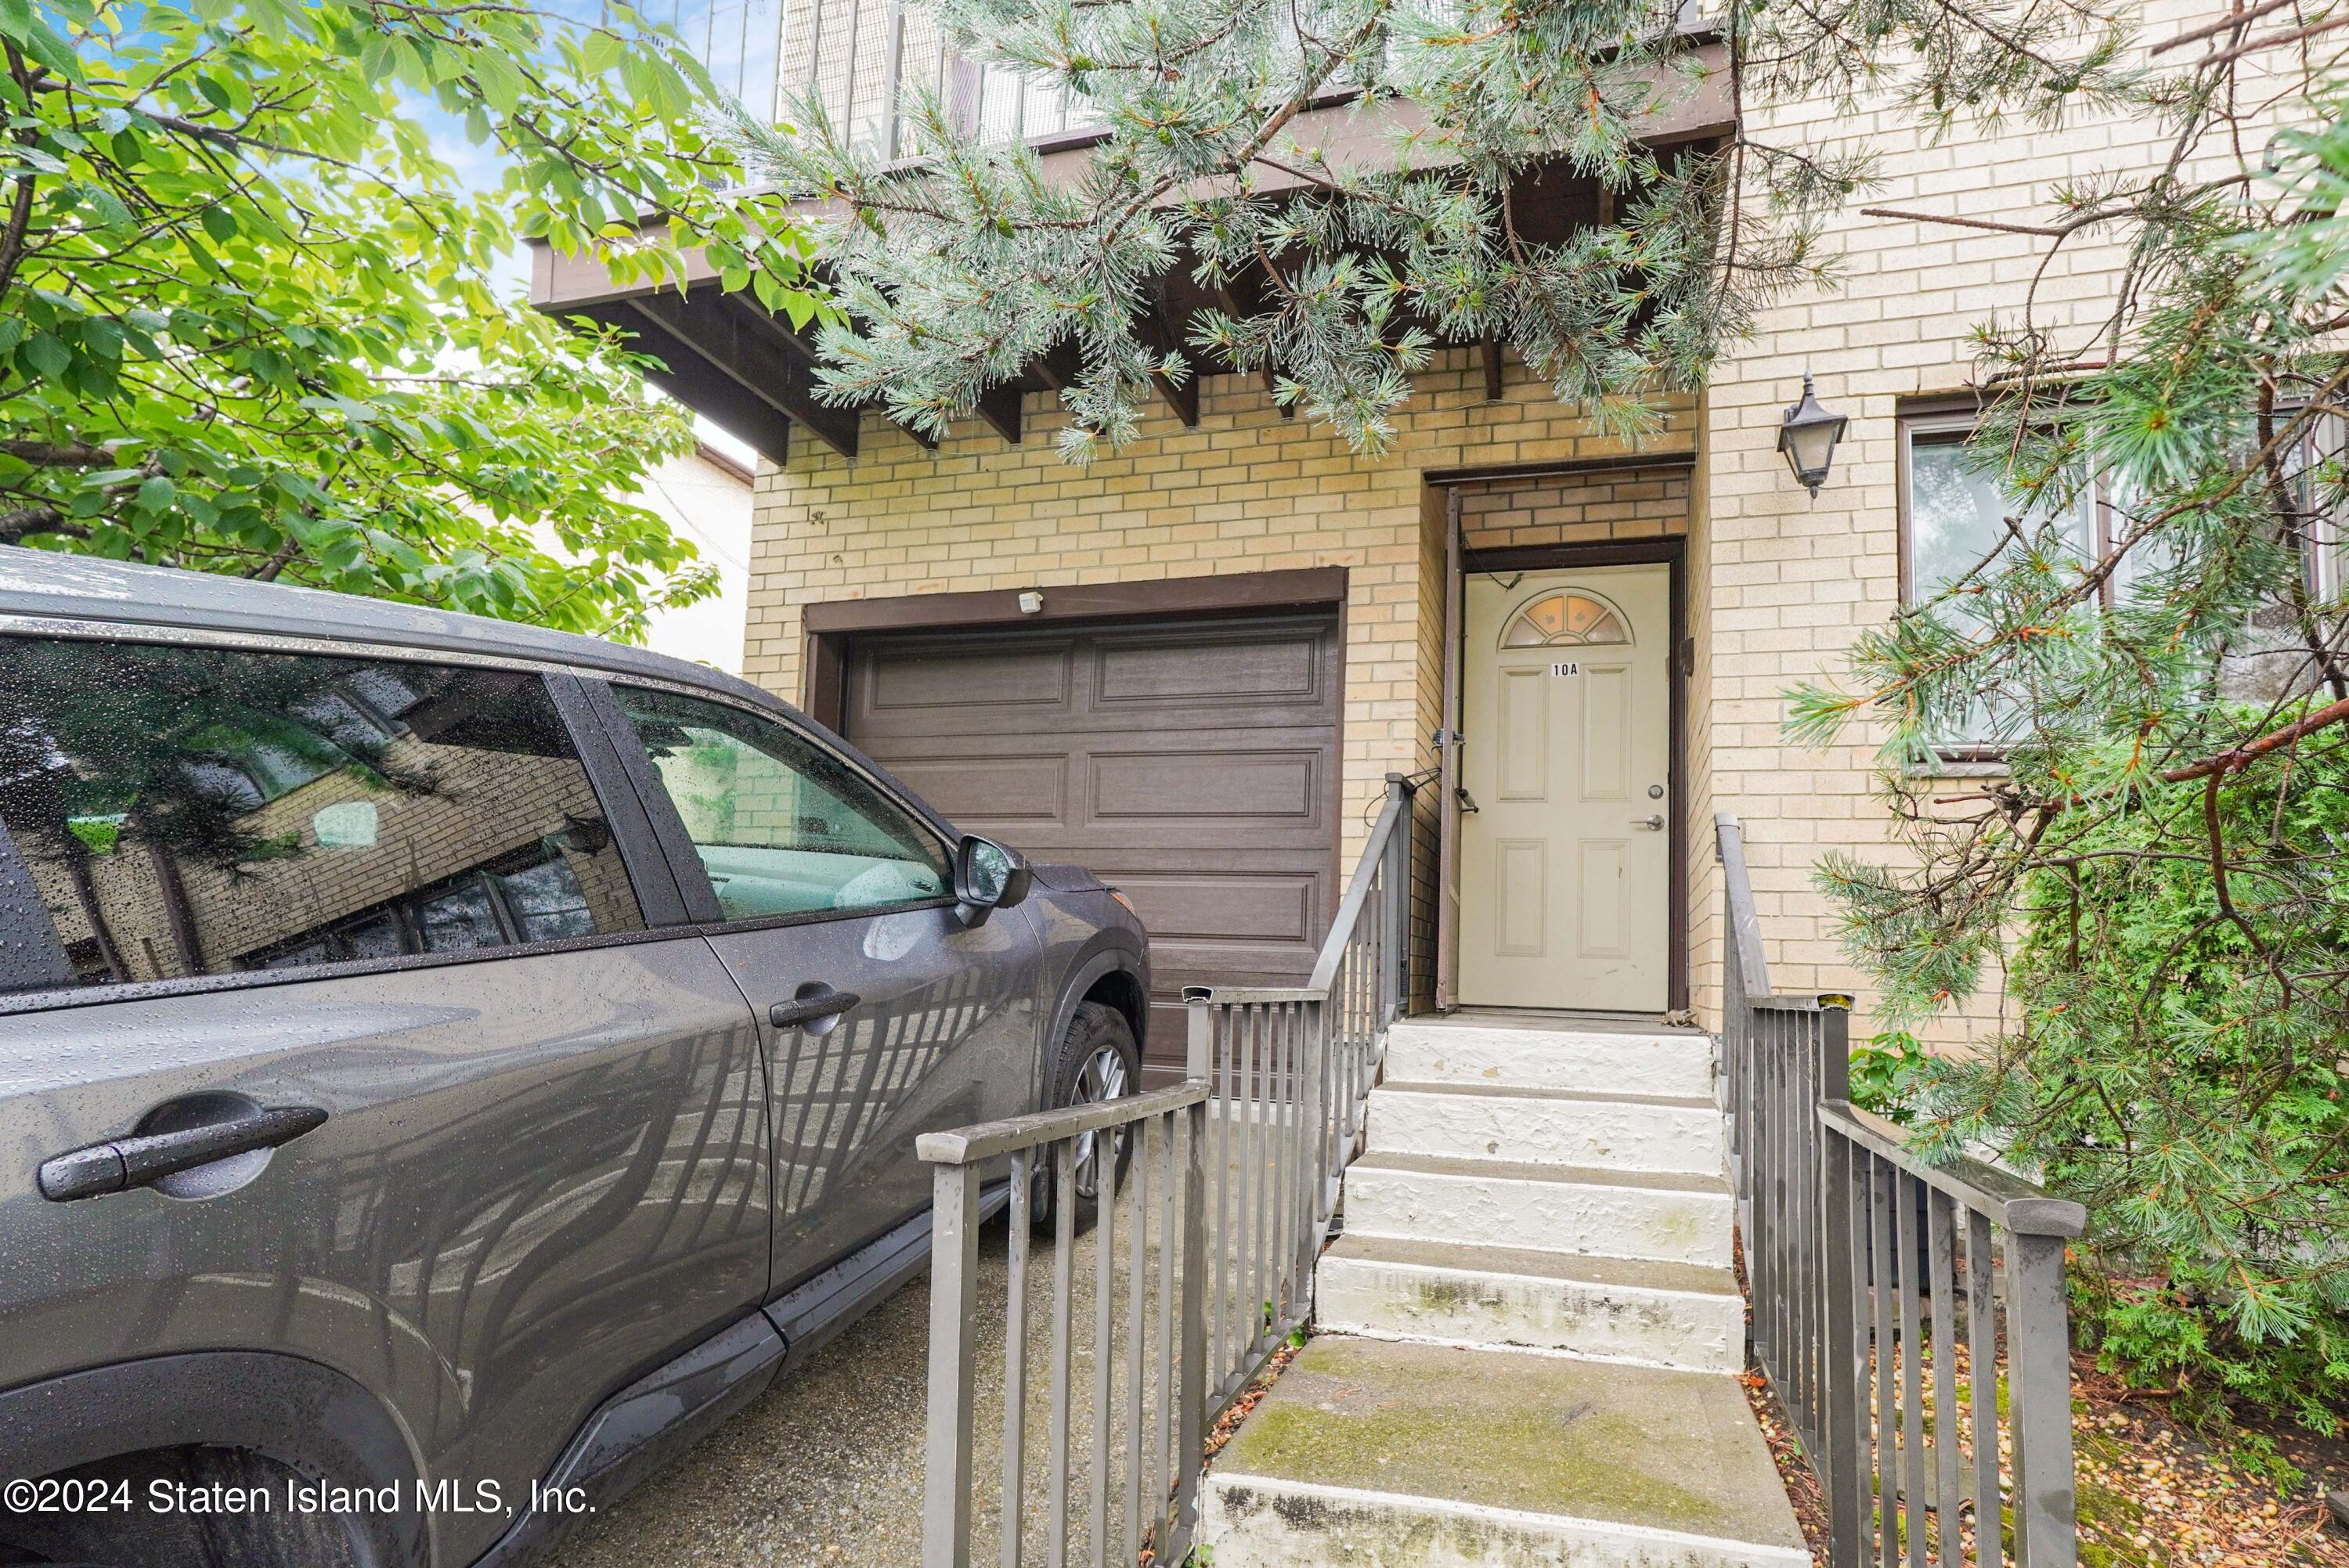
pixel 1565 860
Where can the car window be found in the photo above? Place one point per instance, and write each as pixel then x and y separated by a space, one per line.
pixel 780 824
pixel 206 811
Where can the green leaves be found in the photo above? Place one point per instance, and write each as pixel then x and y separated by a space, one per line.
pixel 501 83
pixel 254 328
pixel 961 271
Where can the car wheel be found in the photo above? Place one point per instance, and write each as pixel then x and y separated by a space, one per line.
pixel 1097 1060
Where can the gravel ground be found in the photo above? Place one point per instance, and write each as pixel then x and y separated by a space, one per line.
pixel 826 1469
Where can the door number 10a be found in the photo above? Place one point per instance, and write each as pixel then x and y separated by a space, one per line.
pixel 1569 668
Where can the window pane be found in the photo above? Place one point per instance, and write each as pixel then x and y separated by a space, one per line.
pixel 202 811
pixel 1957 514
pixel 782 826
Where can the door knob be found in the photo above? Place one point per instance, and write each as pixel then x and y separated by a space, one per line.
pixel 122 1163
pixel 1653 822
pixel 822 1003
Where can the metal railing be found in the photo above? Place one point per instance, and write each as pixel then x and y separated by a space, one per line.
pixel 861 59
pixel 1229 1185
pixel 1883 1289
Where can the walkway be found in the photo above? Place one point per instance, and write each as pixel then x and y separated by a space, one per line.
pixel 1530 1330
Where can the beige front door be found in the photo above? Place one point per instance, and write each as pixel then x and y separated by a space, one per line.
pixel 1566 867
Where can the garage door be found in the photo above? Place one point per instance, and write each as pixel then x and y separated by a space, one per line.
pixel 1193 764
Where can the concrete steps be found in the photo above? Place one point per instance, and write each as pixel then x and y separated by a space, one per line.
pixel 1664 1216
pixel 1671 1315
pixel 1674 1062
pixel 1527 1125
pixel 1371 1453
pixel 1527 1332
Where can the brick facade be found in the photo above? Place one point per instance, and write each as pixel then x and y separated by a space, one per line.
pixel 1776 583
pixel 1246 490
pixel 1789 579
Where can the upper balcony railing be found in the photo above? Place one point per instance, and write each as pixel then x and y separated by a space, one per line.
pixel 862 57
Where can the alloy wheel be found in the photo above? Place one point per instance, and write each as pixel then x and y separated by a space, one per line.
pixel 1102 1078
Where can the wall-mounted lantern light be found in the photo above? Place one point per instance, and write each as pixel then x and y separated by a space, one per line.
pixel 1807 438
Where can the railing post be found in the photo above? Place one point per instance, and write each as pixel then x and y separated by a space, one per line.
pixel 1312 1146
pixel 953 1305
pixel 1394 981
pixel 2038 1394
pixel 1199 1048
pixel 1193 1394
pixel 1843 1355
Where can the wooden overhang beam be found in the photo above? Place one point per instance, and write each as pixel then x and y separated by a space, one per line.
pixel 1001 408
pixel 751 374
pixel 755 350
pixel 1182 396
pixel 693 379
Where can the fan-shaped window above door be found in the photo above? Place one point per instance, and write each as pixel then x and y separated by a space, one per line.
pixel 1565 621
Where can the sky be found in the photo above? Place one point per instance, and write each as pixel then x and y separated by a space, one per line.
pixel 482 167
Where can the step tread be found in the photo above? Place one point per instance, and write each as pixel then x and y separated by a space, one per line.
pixel 1535 1091
pixel 1566 1268
pixel 1537 1023
pixel 1554 1436
pixel 1523 1170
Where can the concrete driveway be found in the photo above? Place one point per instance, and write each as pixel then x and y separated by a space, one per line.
pixel 825 1470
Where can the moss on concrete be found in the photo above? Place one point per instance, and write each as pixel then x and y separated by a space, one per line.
pixel 1674 1451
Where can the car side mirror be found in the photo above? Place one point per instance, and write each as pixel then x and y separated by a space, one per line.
pixel 988 877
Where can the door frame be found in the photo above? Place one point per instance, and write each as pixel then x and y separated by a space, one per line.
pixel 1672 554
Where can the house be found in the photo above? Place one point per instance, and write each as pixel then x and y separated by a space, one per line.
pixel 1194 663
pixel 705 496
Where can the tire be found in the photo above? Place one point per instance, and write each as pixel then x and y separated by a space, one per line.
pixel 1096 1059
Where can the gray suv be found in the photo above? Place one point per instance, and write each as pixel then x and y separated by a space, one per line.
pixel 447 1066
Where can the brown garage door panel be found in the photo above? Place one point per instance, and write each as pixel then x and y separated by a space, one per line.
pixel 1207 668
pixel 1264 784
pixel 1193 764
pixel 1271 908
pixel 1030 676
pixel 1007 789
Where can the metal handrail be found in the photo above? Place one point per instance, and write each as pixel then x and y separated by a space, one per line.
pixel 2002 1198
pixel 993 1140
pixel 1859 1257
pixel 1392 819
pixel 1277 1078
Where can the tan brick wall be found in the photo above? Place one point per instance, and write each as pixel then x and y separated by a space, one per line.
pixel 1246 490
pixel 1777 586
pixel 1788 579
pixel 1606 506
pixel 1702 889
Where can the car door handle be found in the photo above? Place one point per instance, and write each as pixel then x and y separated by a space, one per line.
pixel 823 1004
pixel 122 1163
